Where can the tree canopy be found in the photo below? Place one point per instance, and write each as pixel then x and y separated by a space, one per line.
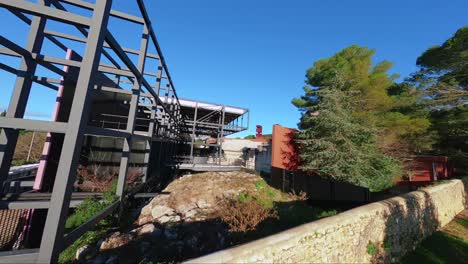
pixel 359 126
pixel 335 144
pixel 393 109
pixel 443 74
pixel 388 115
pixel 443 80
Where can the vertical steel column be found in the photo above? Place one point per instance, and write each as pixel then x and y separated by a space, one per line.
pixel 51 243
pixel 173 127
pixel 221 137
pixel 19 98
pixel 194 126
pixel 153 120
pixel 167 116
pixel 152 124
pixel 126 152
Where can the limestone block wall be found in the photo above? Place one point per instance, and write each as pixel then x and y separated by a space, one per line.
pixel 392 227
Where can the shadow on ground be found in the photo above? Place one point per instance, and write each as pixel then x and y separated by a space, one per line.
pixel 177 242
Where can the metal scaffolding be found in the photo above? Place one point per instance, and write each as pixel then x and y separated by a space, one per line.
pixel 213 122
pixel 147 112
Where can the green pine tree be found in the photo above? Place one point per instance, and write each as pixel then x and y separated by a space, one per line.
pixel 335 144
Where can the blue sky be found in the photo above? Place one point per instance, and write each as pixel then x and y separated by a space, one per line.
pixel 254 54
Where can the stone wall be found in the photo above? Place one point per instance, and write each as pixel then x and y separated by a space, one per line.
pixel 377 232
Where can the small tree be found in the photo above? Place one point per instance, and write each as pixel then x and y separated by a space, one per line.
pixel 3 113
pixel 335 144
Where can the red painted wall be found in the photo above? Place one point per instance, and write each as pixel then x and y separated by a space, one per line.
pixel 283 148
pixel 285 156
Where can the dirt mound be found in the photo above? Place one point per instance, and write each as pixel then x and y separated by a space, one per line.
pixel 194 197
pixel 177 224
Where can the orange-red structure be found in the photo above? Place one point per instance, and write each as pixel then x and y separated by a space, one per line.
pixel 430 168
pixel 285 156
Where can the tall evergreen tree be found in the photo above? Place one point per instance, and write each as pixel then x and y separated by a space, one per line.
pixel 393 109
pixel 391 121
pixel 335 144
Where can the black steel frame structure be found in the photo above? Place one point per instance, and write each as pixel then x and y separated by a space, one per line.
pixel 161 104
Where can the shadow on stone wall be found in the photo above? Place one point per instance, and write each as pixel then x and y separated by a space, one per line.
pixel 399 226
pixel 410 219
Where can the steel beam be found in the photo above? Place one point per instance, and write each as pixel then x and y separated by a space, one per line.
pixel 193 131
pixel 19 256
pixel 33 125
pixel 220 149
pixel 32 205
pixel 145 15
pixel 83 40
pixel 45 12
pixel 51 243
pixel 126 152
pixel 153 125
pixel 113 13
pixel 106 132
pixel 19 98
pixel 9 69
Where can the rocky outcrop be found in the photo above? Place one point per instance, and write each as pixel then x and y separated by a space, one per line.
pixel 178 222
pixel 194 197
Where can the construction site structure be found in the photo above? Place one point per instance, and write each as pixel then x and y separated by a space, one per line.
pixel 110 97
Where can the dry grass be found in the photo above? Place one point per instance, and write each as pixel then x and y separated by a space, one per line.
pixel 24 142
pixel 92 180
pixel 243 216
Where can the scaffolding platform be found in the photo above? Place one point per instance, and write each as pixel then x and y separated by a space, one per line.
pixel 208 167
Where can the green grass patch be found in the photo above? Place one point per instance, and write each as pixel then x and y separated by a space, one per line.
pixel 84 212
pixel 371 248
pixel 463 222
pixel 439 248
pixel 90 237
pixel 22 162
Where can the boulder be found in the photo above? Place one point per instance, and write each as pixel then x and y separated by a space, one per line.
pixel 161 210
pixel 116 240
pixel 147 229
pixel 81 253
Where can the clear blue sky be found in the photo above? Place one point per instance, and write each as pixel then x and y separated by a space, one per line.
pixel 254 54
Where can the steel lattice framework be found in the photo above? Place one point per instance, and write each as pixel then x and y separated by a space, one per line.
pixel 90 77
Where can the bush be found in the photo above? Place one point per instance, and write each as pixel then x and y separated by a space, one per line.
pixel 243 214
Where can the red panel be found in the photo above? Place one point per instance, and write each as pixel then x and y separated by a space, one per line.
pixel 283 149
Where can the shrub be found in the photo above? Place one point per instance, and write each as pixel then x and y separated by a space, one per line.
pixel 91 179
pixel 371 248
pixel 243 214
